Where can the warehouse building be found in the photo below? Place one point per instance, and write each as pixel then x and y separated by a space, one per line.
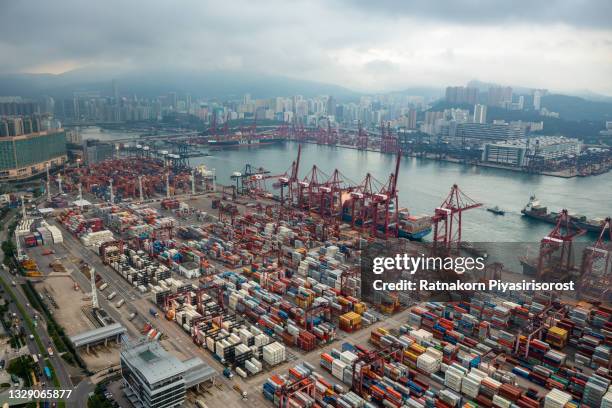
pixel 518 152
pixel 496 131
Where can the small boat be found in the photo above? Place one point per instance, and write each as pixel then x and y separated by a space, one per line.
pixel 496 210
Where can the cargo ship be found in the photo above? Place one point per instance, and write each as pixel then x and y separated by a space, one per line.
pixel 535 210
pixel 412 227
pixel 244 142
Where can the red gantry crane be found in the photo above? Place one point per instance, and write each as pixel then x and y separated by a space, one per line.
pixel 556 253
pixel 447 220
pixel 596 269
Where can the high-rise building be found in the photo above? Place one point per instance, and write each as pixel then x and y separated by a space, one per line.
pixel 411 117
pixel 115 91
pixel 480 113
pixel 15 126
pixel 461 95
pixel 172 99
pixel 23 155
pixel 15 105
pixel 500 96
pixel 537 99
pixel 331 106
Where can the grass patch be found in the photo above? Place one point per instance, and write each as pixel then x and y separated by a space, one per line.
pixel 98 400
pixel 21 367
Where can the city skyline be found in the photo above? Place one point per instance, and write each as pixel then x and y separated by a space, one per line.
pixel 564 46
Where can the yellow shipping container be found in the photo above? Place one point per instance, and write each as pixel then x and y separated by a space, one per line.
pixel 417 349
pixel 351 317
pixel 410 355
pixel 558 331
pixel 382 331
pixel 343 301
pixel 359 308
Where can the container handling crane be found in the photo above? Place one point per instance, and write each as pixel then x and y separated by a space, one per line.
pixel 556 256
pixel 290 181
pixel 387 221
pixel 596 268
pixel 447 220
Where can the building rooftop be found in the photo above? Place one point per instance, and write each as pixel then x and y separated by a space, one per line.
pixel 96 335
pixel 151 360
pixel 540 140
pixel 155 364
pixel 197 371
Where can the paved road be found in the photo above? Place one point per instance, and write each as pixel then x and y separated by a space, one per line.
pixel 79 398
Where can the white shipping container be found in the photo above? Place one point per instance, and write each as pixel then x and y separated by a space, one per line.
pixel 274 353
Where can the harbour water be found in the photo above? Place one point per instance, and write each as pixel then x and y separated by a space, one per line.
pixel 423 184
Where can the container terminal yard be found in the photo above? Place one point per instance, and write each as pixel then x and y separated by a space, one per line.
pixel 382 138
pixel 251 294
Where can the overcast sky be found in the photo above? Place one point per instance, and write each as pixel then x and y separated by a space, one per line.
pixel 367 45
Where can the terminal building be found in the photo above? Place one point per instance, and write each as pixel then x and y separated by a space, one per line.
pixel 495 131
pixel 519 151
pixel 155 378
pixel 26 149
pixel 97 151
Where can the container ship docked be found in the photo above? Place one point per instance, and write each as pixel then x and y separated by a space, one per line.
pixel 412 227
pixel 535 210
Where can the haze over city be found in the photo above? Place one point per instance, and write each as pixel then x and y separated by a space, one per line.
pixel 306 203
pixel 562 45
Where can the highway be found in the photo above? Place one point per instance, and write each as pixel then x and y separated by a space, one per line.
pixel 78 399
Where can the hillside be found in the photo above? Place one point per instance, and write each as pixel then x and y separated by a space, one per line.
pixel 216 84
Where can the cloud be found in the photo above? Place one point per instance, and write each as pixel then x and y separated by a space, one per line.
pixel 364 45
pixel 579 13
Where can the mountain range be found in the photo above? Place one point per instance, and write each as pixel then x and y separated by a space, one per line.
pixel 210 84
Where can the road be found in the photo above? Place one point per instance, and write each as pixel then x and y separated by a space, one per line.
pixel 79 398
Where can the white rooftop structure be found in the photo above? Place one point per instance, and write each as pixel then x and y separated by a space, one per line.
pixel 101 334
pixel 81 203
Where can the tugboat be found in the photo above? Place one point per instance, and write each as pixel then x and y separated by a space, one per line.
pixel 496 210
